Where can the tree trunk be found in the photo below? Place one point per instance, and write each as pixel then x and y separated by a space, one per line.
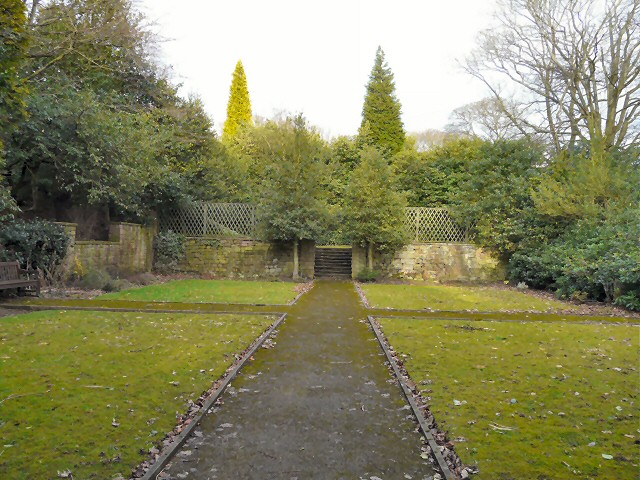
pixel 295 260
pixel 33 11
pixel 370 256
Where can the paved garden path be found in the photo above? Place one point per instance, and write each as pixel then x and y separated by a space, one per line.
pixel 321 404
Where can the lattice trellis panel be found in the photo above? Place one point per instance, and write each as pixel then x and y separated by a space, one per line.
pixel 434 225
pixel 213 220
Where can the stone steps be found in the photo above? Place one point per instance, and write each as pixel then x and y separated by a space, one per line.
pixel 333 262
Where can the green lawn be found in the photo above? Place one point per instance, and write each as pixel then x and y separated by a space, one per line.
pixel 68 376
pixel 437 297
pixel 532 396
pixel 218 291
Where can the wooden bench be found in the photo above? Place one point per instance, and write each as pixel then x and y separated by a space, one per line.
pixel 12 276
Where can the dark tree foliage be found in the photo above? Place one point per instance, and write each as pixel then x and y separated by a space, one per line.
pixel 433 178
pixel 105 130
pixel 13 47
pixel 496 195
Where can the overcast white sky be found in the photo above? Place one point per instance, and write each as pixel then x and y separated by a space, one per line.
pixel 315 57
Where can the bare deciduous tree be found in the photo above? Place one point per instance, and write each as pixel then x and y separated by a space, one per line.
pixel 485 118
pixel 100 34
pixel 32 7
pixel 571 66
pixel 427 139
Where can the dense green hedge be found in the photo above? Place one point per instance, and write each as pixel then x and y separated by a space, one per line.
pixel 35 244
pixel 593 259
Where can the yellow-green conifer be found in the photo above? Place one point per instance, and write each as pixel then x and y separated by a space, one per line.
pixel 239 106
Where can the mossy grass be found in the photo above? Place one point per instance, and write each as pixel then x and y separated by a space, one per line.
pixel 217 291
pixel 535 400
pixel 89 391
pixel 445 297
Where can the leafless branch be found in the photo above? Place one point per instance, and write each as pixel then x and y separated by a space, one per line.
pixel 573 67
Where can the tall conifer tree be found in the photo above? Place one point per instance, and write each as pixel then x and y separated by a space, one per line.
pixel 381 124
pixel 239 106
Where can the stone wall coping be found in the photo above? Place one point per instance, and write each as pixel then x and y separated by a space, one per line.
pixel 128 223
pixel 111 223
pixel 96 242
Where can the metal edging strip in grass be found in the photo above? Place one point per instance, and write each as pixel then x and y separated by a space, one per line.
pixel 39 308
pixel 298 297
pixel 495 315
pixel 361 294
pixel 179 440
pixel 132 303
pixel 426 431
pixel 611 323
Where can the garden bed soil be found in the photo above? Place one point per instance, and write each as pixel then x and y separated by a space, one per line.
pixel 8 312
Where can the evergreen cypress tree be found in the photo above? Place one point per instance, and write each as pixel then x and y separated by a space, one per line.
pixel 381 124
pixel 239 106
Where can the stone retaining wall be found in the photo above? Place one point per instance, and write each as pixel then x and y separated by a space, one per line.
pixel 128 251
pixel 238 258
pixel 438 262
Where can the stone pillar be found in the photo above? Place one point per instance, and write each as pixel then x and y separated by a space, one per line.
pixel 358 259
pixel 307 258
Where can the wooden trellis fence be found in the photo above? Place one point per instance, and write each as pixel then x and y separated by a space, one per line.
pixel 238 220
pixel 227 220
pixel 434 225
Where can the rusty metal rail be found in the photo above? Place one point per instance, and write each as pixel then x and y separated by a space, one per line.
pixel 426 431
pixel 166 456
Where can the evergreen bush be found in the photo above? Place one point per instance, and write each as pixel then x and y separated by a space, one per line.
pixel 169 251
pixel 95 279
pixel 594 259
pixel 35 244
pixel 368 275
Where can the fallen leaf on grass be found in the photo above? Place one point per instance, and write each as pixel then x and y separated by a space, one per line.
pixel 501 428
